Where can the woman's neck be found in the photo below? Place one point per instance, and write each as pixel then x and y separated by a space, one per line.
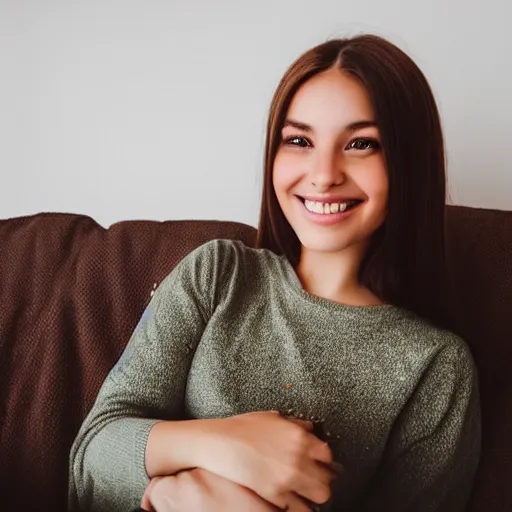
pixel 335 276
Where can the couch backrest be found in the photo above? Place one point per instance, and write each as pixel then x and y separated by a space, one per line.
pixel 71 292
pixel 480 255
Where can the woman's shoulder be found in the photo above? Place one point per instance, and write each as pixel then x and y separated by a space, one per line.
pixel 223 261
pixel 215 271
pixel 226 252
pixel 230 271
pixel 217 252
pixel 442 345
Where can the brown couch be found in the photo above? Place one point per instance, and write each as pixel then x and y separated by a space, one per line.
pixel 71 293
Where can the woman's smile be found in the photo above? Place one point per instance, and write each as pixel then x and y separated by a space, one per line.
pixel 328 212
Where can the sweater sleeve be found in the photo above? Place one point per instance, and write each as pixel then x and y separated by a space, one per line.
pixel 434 448
pixel 147 385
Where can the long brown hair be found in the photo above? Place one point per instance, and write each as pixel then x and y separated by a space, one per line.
pixel 405 264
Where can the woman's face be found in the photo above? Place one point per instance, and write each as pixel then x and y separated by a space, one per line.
pixel 329 173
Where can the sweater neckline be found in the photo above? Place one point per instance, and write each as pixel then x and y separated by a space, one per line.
pixel 370 312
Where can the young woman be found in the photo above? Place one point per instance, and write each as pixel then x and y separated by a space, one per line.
pixel 340 319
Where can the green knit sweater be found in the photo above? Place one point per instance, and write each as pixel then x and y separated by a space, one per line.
pixel 231 330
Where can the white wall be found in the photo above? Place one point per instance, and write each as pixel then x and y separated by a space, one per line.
pixel 156 109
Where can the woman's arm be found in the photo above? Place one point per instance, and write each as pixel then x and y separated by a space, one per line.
pixel 433 451
pixel 136 428
pixel 146 385
pixel 199 489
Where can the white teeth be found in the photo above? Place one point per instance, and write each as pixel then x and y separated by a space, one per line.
pixel 325 208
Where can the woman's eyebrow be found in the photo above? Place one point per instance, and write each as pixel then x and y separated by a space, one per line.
pixel 297 124
pixel 359 125
pixel 352 127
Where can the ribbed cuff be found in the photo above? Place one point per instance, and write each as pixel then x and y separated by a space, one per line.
pixel 141 434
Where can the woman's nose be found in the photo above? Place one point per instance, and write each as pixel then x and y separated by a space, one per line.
pixel 326 171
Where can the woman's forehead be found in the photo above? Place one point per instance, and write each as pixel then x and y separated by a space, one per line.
pixel 331 100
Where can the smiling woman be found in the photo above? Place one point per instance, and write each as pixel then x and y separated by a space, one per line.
pixel 329 173
pixel 257 372
pixel 363 125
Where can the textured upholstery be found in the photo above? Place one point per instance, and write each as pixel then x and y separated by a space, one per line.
pixel 480 255
pixel 71 293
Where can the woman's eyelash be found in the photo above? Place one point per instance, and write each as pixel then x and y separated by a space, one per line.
pixel 359 144
pixel 363 143
pixel 299 141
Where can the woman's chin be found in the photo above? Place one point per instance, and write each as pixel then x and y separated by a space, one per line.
pixel 324 246
pixel 333 243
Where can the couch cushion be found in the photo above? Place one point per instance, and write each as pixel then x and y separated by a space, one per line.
pixel 71 292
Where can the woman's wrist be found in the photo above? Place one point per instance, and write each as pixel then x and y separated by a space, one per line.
pixel 205 436
pixel 175 446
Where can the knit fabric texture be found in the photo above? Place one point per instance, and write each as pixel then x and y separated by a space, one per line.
pixel 231 330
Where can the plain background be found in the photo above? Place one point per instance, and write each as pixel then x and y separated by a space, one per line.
pixel 157 109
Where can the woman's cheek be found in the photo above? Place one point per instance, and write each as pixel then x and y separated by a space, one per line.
pixel 289 167
pixel 281 172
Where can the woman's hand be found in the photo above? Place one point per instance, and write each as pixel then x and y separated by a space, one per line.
pixel 197 490
pixel 279 459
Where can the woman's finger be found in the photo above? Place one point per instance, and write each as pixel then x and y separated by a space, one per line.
pixel 305 424
pixel 315 484
pixel 321 452
pixel 145 503
pixel 296 504
pixel 161 494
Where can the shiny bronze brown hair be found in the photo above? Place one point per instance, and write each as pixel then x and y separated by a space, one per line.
pixel 405 264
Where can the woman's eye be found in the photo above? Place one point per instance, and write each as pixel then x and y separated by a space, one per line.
pixel 297 141
pixel 363 144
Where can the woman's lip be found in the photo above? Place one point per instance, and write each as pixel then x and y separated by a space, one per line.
pixel 330 199
pixel 326 219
